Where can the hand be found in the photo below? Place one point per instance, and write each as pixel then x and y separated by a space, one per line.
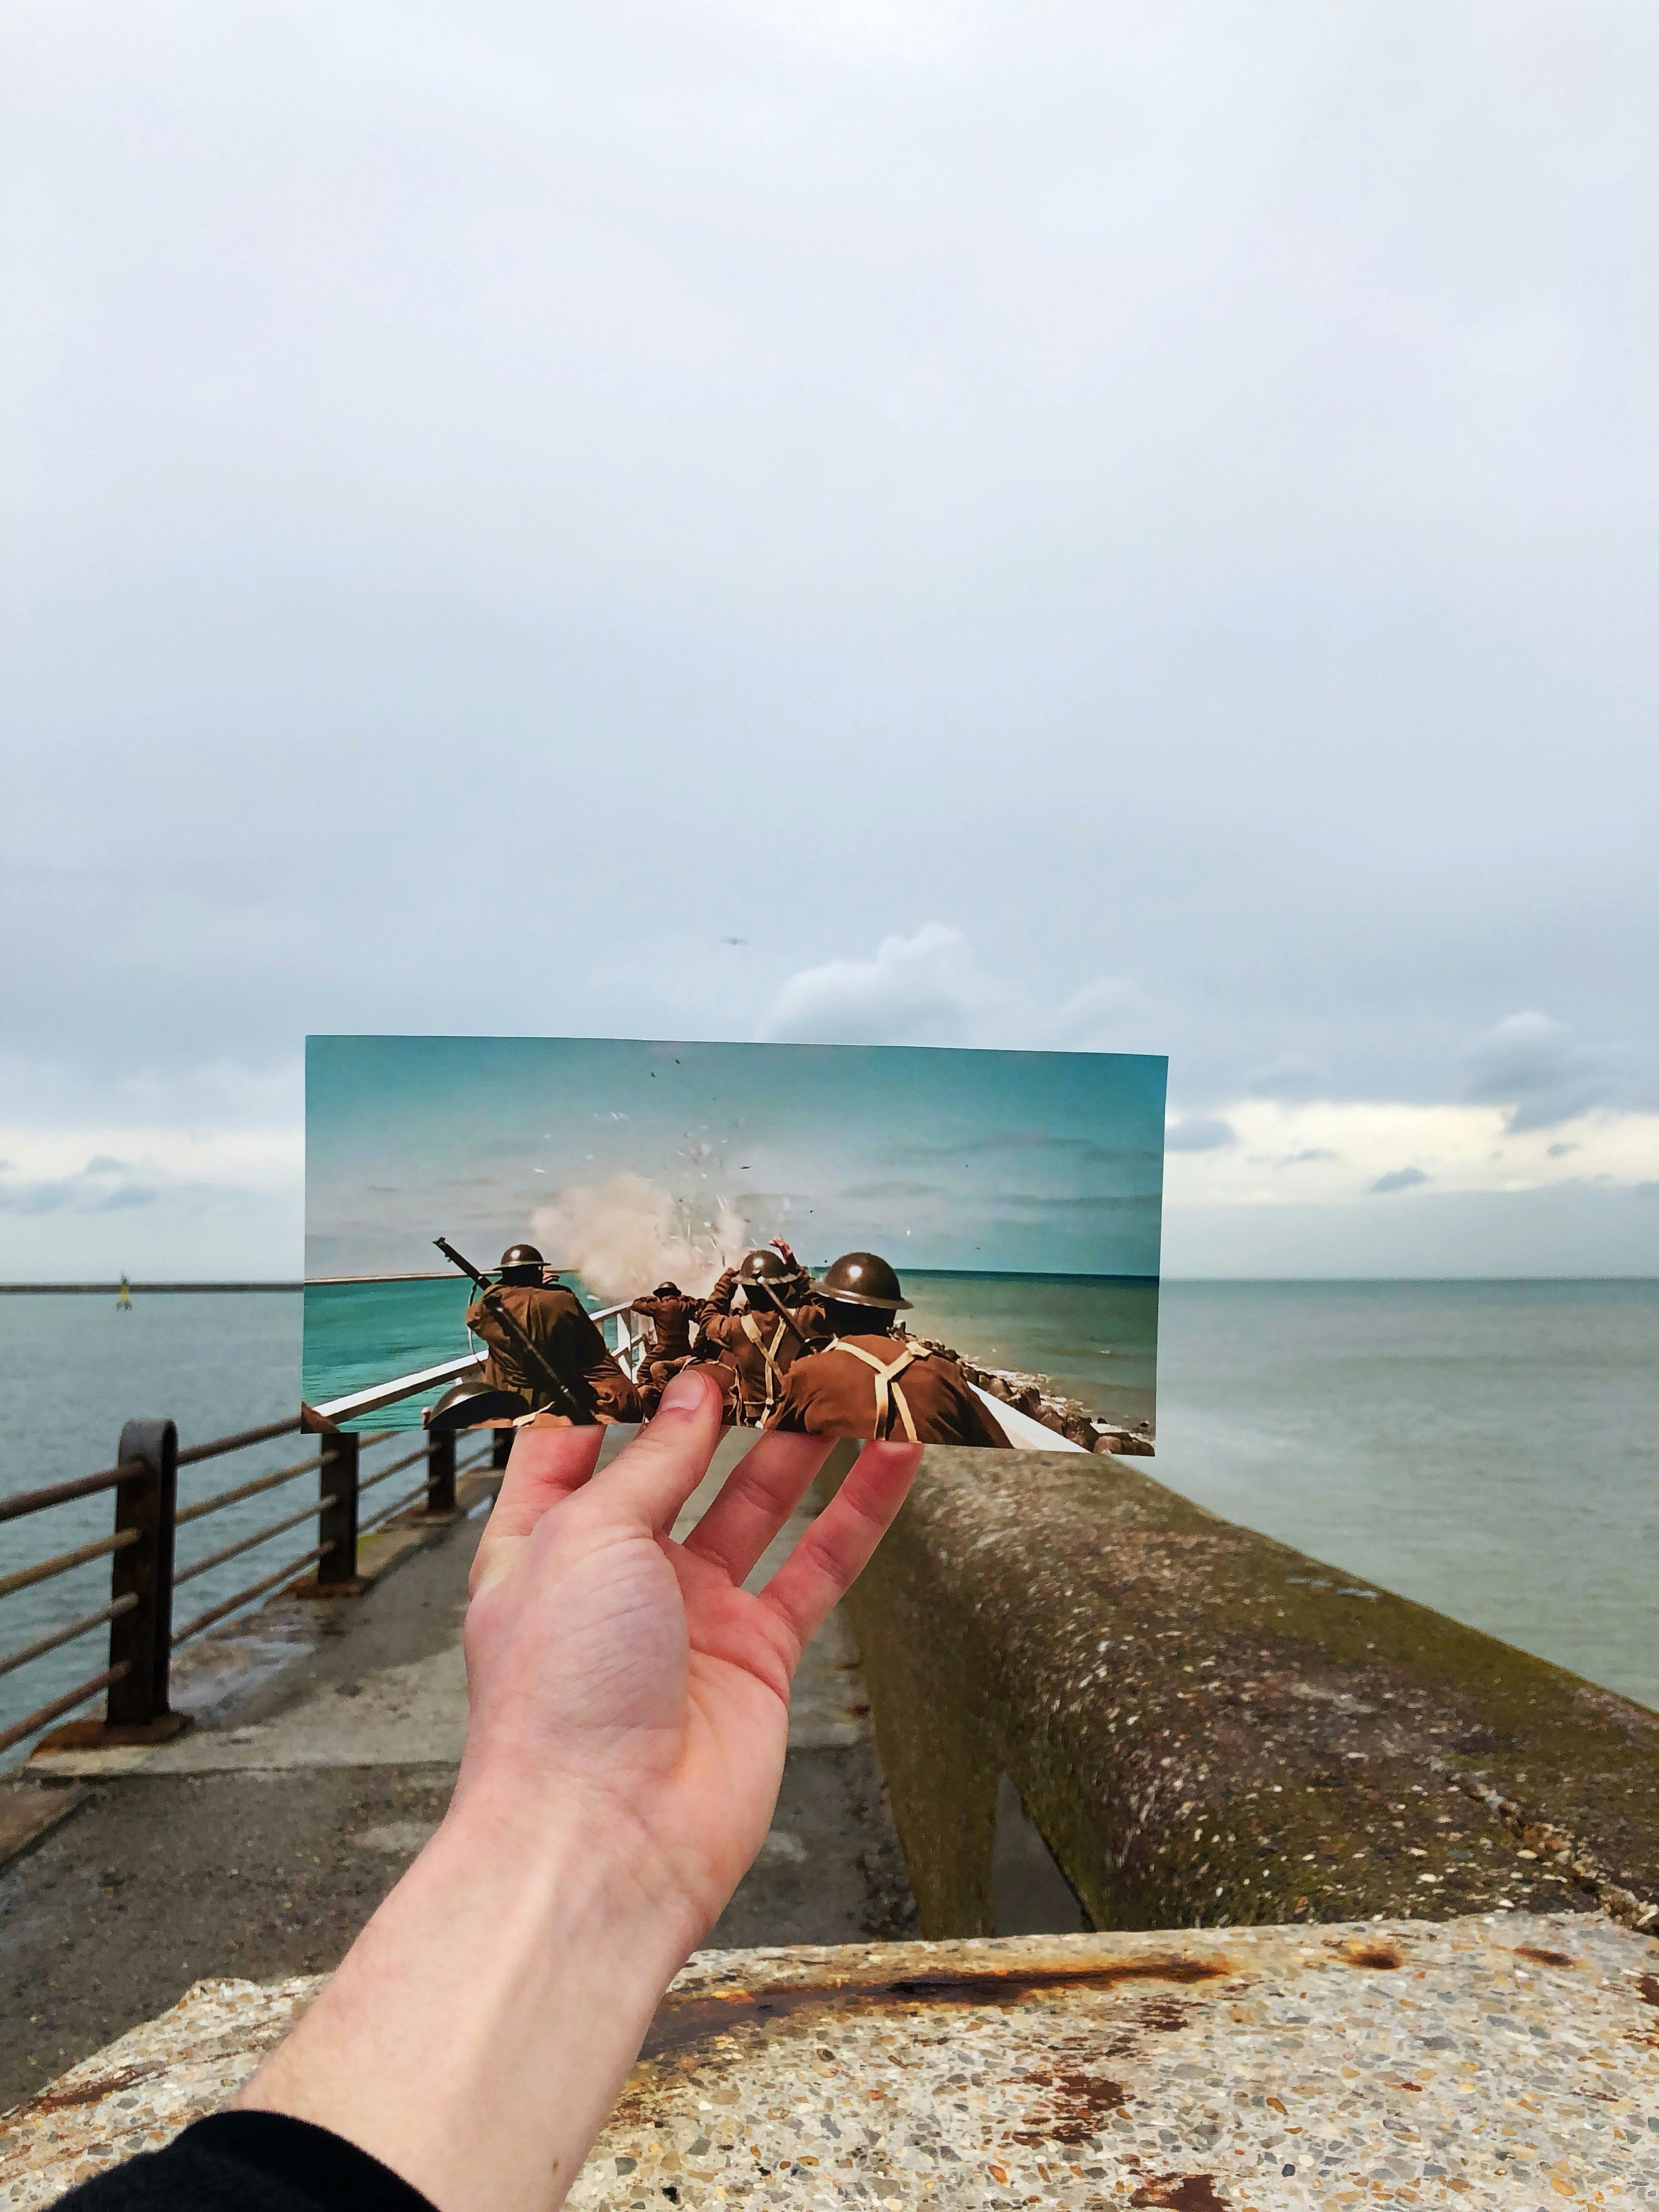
pixel 779 1245
pixel 630 1708
pixel 613 1668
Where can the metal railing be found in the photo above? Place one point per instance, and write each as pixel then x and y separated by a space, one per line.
pixel 144 1573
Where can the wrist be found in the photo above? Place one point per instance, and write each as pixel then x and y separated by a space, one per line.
pixel 527 1961
pixel 577 1866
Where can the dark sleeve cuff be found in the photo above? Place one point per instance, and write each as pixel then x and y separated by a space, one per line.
pixel 252 2162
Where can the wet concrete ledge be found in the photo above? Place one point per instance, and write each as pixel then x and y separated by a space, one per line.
pixel 1505 2061
pixel 1211 1728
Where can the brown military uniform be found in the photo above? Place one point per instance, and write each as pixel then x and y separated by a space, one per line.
pixel 669 1348
pixel 755 1348
pixel 559 1327
pixel 884 1386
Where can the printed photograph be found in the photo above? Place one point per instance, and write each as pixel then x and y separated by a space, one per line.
pixel 941 1246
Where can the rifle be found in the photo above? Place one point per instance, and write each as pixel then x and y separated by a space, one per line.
pixel 781 1310
pixel 530 1357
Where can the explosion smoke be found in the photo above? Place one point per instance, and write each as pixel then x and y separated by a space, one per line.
pixel 626 1235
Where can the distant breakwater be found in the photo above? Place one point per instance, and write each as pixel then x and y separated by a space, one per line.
pixel 138 1289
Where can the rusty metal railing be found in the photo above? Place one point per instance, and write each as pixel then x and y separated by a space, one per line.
pixel 144 1573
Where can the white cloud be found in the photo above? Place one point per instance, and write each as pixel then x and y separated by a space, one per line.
pixel 933 989
pixel 1324 1151
pixel 925 989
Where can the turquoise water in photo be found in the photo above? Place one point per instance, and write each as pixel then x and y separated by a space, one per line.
pixel 1097 1336
pixel 1489 1449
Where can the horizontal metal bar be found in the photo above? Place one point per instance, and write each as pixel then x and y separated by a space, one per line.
pixel 397 1505
pixel 194 1454
pixel 59 1494
pixel 396 1467
pixel 378 1437
pixel 400 1386
pixel 247 1543
pixel 66 1704
pixel 60 1564
pixel 42 1644
pixel 246 1490
pixel 255 1589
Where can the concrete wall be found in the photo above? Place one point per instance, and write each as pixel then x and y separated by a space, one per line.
pixel 1210 1728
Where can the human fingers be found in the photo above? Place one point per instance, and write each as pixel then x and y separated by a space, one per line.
pixel 668 1459
pixel 546 1464
pixel 757 1498
pixel 834 1552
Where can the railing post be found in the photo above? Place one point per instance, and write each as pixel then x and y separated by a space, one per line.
pixel 337 1524
pixel 440 1471
pixel 501 1450
pixel 143 1638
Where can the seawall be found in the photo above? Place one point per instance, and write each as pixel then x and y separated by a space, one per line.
pixel 1210 1728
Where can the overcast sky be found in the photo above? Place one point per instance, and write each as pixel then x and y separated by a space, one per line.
pixel 1095 525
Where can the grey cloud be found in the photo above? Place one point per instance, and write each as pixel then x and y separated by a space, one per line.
pixel 103 1164
pixel 1293 1075
pixel 1537 1069
pixel 1083 1202
pixel 1303 1159
pixel 1560 1152
pixel 897 1189
pixel 1398 1179
pixel 1082 1151
pixel 1198 1132
pixel 75 1194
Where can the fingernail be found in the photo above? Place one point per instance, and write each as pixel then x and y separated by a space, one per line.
pixel 685 1392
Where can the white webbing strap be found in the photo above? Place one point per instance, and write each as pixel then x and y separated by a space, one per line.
pixel 886 1380
pixel 769 1354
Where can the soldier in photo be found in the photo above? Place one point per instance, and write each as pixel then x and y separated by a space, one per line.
pixel 673 1317
pixel 871 1381
pixel 757 1347
pixel 592 1387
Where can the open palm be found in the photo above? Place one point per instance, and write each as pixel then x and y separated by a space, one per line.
pixel 617 1673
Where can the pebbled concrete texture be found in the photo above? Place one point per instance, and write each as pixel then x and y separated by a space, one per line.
pixel 327 1741
pixel 1210 1728
pixel 1495 2061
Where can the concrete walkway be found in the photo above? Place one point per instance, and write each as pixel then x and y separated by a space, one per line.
pixel 326 1745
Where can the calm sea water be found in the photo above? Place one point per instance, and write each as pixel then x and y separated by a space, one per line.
pixel 1491 1448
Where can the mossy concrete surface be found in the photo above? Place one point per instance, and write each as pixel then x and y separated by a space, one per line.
pixel 1211 1728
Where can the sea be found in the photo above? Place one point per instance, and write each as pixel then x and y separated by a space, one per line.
pixel 1491 1448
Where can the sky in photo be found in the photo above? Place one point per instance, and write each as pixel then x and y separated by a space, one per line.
pixel 1045 1162
pixel 1089 526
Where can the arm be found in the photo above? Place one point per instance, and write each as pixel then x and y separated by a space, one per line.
pixel 629 1711
pixel 719 1300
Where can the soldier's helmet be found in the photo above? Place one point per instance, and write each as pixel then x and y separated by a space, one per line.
pixel 521 1263
pixel 768 1267
pixel 666 1291
pixel 861 1279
